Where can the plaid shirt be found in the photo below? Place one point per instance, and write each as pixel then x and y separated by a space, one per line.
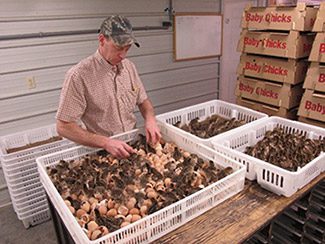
pixel 102 96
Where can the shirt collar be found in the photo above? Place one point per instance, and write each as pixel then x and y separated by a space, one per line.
pixel 103 61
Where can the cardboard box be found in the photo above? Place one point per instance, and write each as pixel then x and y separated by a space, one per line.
pixel 293 2
pixel 276 94
pixel 300 18
pixel 311 2
pixel 315 78
pixel 281 2
pixel 319 25
pixel 268 109
pixel 312 122
pixel 317 53
pixel 289 71
pixel 312 105
pixel 288 45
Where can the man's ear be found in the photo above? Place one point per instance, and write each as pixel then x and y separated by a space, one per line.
pixel 101 39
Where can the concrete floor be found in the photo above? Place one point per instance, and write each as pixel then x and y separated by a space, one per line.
pixel 12 230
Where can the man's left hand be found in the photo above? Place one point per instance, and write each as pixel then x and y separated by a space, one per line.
pixel 152 132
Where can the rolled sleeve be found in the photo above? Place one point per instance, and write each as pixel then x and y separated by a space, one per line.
pixel 72 103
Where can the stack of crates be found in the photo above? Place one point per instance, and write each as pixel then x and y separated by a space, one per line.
pixel 312 106
pixel 20 170
pixel 302 222
pixel 288 227
pixel 274 43
pixel 314 228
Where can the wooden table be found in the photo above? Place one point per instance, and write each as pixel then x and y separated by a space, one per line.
pixel 236 219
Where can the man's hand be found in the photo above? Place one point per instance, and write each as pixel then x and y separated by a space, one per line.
pixel 152 132
pixel 118 148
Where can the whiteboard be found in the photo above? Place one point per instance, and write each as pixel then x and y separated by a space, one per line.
pixel 197 36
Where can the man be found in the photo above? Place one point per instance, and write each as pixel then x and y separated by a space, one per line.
pixel 102 91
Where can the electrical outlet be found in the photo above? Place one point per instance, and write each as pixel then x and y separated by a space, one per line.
pixel 31 82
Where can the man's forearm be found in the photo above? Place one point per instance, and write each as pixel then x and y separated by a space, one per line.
pixel 147 110
pixel 74 132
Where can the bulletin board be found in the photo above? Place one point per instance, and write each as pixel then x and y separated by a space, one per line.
pixel 197 35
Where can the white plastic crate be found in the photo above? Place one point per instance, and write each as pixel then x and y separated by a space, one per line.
pixel 269 176
pixel 26 137
pixel 21 209
pixel 40 216
pixel 27 195
pixel 32 194
pixel 25 191
pixel 23 182
pixel 204 110
pixel 29 165
pixel 21 174
pixel 31 212
pixel 18 162
pixel 163 221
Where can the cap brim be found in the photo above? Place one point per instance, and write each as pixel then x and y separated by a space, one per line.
pixel 125 40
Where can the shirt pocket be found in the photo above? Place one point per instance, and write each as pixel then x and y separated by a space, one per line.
pixel 130 99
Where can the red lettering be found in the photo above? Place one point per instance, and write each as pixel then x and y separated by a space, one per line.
pixel 246 88
pixel 309 105
pixel 275 44
pixel 275 70
pixel 277 18
pixel 268 18
pixel 266 93
pixel 251 42
pixel 322 48
pixel 321 78
pixel 254 17
pixel 253 67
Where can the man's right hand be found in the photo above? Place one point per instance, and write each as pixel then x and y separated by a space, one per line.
pixel 118 148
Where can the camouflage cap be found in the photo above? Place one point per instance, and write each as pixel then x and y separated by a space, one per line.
pixel 118 28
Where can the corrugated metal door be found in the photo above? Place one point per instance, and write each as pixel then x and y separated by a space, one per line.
pixel 41 39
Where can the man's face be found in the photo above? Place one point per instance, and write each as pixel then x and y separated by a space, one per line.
pixel 111 52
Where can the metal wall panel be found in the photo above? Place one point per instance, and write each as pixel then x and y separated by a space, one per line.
pixel 46 9
pixel 41 26
pixel 41 39
pixel 70 52
pixel 196 6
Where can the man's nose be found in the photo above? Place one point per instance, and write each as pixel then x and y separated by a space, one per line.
pixel 123 54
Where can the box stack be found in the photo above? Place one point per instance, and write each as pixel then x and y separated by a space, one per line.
pixel 288 227
pixel 281 2
pixel 18 153
pixel 292 2
pixel 312 106
pixel 314 231
pixel 274 42
pixel 302 222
